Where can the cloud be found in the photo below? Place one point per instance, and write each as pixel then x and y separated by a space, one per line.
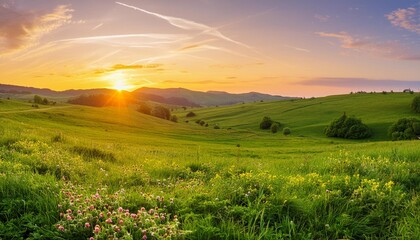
pixel 297 48
pixel 408 18
pixel 322 18
pixel 118 67
pixel 362 83
pixel 21 29
pixel 388 49
pixel 186 24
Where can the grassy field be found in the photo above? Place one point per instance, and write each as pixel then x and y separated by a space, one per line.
pixel 74 172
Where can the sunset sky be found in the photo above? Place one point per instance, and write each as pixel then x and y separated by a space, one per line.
pixel 283 47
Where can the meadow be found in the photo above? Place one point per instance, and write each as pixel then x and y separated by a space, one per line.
pixel 76 172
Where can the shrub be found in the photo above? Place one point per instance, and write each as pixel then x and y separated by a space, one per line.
pixel 144 108
pixel 405 129
pixel 202 122
pixel 348 127
pixel 266 123
pixel 191 114
pixel 161 112
pixel 415 104
pixel 274 127
pixel 174 118
pixel 286 131
pixel 94 153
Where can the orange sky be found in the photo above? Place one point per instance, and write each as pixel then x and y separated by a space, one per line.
pixel 294 48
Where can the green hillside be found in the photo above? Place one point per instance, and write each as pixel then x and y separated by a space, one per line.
pixel 309 117
pixel 206 183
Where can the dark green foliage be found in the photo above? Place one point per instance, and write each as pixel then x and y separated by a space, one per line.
pixel 45 101
pixel 348 127
pixel 266 123
pixel 94 100
pixel 191 114
pixel 415 104
pixel 93 153
pixel 202 122
pixel 37 99
pixel 161 112
pixel 405 129
pixel 274 127
pixel 174 118
pixel 286 131
pixel 144 108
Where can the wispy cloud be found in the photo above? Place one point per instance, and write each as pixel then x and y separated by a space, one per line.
pixel 21 29
pixel 362 83
pixel 189 25
pixel 322 18
pixel 408 18
pixel 118 67
pixel 297 48
pixel 388 49
pixel 97 26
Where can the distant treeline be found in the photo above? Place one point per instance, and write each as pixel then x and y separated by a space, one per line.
pixel 100 100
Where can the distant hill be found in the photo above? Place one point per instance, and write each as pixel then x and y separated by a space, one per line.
pixel 172 96
pixel 210 98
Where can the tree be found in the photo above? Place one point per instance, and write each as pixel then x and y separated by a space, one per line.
pixel 405 129
pixel 191 114
pixel 174 118
pixel 266 123
pixel 274 127
pixel 38 99
pixel 144 108
pixel 161 112
pixel 348 127
pixel 415 104
pixel 45 101
pixel 286 131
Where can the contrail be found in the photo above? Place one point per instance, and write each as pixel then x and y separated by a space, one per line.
pixel 188 25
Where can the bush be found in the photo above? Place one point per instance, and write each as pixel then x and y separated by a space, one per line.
pixel 174 118
pixel 266 123
pixel 144 108
pixel 202 122
pixel 415 104
pixel 191 114
pixel 286 131
pixel 161 112
pixel 274 127
pixel 348 127
pixel 405 129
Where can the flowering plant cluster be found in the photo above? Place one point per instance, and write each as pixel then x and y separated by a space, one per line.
pixel 101 216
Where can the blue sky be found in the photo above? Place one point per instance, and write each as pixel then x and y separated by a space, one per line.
pixel 278 47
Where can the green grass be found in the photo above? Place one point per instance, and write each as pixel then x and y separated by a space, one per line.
pixel 237 183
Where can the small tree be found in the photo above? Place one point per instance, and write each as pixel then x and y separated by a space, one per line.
pixel 348 127
pixel 415 104
pixel 286 131
pixel 405 129
pixel 174 118
pixel 274 127
pixel 144 108
pixel 161 112
pixel 38 99
pixel 45 101
pixel 266 123
pixel 191 114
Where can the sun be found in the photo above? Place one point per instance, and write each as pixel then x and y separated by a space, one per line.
pixel 120 85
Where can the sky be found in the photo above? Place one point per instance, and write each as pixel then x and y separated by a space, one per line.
pixel 283 47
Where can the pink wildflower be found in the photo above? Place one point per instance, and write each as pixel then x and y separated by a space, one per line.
pixel 120 209
pixel 109 221
pixel 87 225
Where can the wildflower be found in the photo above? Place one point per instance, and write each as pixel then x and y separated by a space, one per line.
pixel 142 209
pixel 109 221
pixel 91 238
pixel 120 209
pixel 59 206
pixel 101 215
pixel 133 215
pixel 121 222
pixel 69 217
pixel 97 229
pixel 69 211
pixel 87 225
pixel 60 228
pixel 117 229
pixel 327 191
